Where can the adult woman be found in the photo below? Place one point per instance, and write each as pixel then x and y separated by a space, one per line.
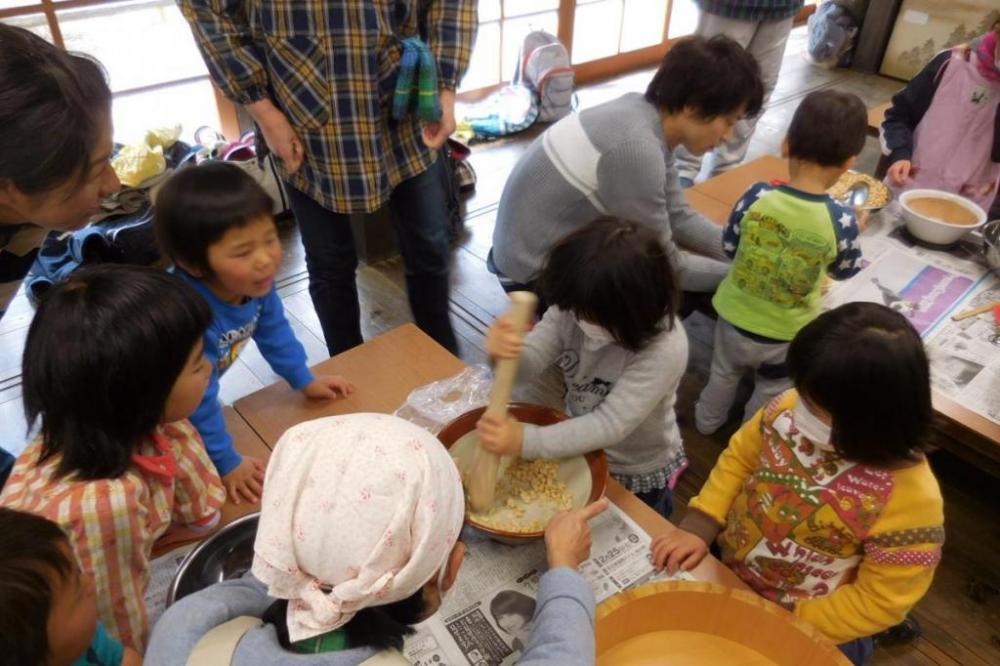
pixel 55 141
pixel 617 159
pixel 358 541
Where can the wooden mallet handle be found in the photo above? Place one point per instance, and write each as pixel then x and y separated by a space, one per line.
pixel 483 473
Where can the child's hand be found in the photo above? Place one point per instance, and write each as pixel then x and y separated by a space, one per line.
pixel 328 387
pixel 131 658
pixel 503 436
pixel 246 481
pixel 678 550
pixel 862 215
pixel 900 172
pixel 567 537
pixel 502 341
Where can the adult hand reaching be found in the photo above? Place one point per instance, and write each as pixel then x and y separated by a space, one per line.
pixel 567 538
pixel 279 135
pixel 436 133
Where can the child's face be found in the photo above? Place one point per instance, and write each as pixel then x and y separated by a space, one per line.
pixel 245 260
pixel 188 390
pixel 72 616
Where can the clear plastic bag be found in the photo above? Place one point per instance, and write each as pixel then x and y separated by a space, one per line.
pixel 434 405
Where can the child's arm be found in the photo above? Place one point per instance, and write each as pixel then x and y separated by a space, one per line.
pixel 847 263
pixel 198 490
pixel 706 513
pixel 901 119
pixel 647 378
pixel 901 553
pixel 278 344
pixel 731 233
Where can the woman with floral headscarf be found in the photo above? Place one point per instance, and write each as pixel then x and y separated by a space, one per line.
pixel 357 542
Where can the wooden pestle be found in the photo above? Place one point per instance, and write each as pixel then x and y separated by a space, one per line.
pixel 485 465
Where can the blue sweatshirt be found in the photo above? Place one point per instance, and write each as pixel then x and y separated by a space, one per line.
pixel 262 319
pixel 562 633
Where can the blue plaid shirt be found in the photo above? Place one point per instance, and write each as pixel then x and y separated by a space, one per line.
pixel 331 66
pixel 751 10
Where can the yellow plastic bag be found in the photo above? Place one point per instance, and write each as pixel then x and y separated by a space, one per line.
pixel 136 163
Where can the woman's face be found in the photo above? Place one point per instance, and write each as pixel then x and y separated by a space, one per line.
pixel 512 623
pixel 701 135
pixel 70 205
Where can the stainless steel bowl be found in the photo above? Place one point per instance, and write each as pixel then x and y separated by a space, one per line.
pixel 991 244
pixel 226 554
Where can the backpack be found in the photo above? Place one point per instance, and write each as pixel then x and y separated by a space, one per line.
pixel 544 68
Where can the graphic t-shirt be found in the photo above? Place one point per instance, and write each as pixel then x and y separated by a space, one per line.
pixel 782 241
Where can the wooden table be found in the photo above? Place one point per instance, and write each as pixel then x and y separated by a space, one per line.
pixel 958 429
pixel 385 370
pixel 876 115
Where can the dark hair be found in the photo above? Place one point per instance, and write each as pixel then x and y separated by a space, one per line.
pixel 53 106
pixel 615 274
pixel 31 551
pixel 199 204
pixel 101 358
pixel 379 627
pixel 828 128
pixel 866 365
pixel 713 76
pixel 510 602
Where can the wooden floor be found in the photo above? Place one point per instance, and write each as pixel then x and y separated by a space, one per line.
pixel 960 615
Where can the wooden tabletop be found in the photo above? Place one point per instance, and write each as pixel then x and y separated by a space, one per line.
pixel 729 186
pixel 384 370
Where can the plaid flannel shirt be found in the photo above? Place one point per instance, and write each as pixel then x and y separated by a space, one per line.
pixel 112 524
pixel 331 66
pixel 751 10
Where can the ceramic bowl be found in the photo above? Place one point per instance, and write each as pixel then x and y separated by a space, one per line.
pixel 578 472
pixel 935 231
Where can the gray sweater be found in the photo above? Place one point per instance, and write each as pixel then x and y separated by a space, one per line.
pixel 620 401
pixel 562 635
pixel 612 159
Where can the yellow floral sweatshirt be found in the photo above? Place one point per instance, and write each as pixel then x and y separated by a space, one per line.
pixel 848 547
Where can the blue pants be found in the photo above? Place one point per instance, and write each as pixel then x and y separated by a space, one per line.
pixel 420 219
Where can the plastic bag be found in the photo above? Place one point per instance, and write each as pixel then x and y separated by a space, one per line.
pixel 433 406
pixel 136 163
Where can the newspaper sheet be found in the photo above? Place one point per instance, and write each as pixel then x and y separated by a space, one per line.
pixel 928 287
pixel 465 632
pixel 161 575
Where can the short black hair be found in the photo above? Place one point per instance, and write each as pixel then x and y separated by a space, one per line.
pixel 616 274
pixel 512 602
pixel 866 365
pixel 53 106
pixel 714 76
pixel 199 204
pixel 32 550
pixel 828 128
pixel 101 358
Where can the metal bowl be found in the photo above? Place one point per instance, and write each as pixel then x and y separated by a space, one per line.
pixel 991 244
pixel 226 554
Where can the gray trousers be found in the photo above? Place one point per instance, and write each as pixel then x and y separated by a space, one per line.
pixel 765 40
pixel 735 354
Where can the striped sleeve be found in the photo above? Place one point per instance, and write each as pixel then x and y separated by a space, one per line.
pixel 223 36
pixel 198 490
pixel 451 30
pixel 106 522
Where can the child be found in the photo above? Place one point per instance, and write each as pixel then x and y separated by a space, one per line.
pixel 824 501
pixel 943 129
pixel 113 366
pixel 783 239
pixel 357 542
pixel 612 332
pixel 48 606
pixel 215 223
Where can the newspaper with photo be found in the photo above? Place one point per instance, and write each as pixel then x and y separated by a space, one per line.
pixel 486 619
pixel 930 286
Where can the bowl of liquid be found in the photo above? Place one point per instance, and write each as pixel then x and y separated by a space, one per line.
pixel 939 217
